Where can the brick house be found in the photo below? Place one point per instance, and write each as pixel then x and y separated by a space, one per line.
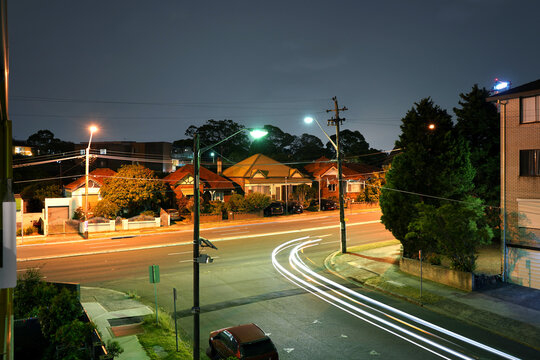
pixel 212 185
pixel 519 110
pixel 325 172
pixel 76 189
pixel 261 174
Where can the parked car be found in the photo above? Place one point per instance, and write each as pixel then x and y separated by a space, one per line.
pixel 174 214
pixel 241 342
pixel 275 208
pixel 326 204
pixel 295 207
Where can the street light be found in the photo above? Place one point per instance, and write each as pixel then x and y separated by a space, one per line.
pixel 309 120
pixel 92 129
pixel 196 310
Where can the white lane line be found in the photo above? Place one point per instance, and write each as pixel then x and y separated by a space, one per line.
pixel 191 260
pixel 60 256
pixel 180 253
pixel 102 246
pixel 299 264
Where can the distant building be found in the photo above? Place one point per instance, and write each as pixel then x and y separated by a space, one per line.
pixel 157 156
pixel 20 147
pixel 520 180
pixel 76 190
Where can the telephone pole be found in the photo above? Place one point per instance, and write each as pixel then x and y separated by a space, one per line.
pixel 336 121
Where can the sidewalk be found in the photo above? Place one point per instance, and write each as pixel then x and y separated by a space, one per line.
pixel 508 310
pixel 117 317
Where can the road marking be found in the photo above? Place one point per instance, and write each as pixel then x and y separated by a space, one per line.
pixel 180 253
pixel 102 252
pixel 101 246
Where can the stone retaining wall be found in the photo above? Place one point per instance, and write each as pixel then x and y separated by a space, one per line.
pixel 454 278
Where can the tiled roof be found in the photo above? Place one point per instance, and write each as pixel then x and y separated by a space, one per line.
pixel 322 165
pixel 210 179
pixel 98 176
pixel 262 164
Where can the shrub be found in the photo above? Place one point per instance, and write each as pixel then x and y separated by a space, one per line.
pixel 217 207
pixel 106 208
pixel 30 230
pixel 183 205
pixel 78 214
pixel 257 201
pixel 236 203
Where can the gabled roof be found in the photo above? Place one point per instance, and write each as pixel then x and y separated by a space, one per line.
pixel 98 176
pixel 529 89
pixel 323 165
pixel 260 164
pixel 210 179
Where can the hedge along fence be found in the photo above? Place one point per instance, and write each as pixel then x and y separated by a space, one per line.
pixel 245 215
pixel 454 278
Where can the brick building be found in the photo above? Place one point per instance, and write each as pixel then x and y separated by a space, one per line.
pixel 520 181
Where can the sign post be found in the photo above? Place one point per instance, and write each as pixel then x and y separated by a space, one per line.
pixel 420 257
pixel 153 271
pixel 175 324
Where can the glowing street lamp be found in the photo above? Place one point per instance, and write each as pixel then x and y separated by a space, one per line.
pixel 92 129
pixel 431 126
pixel 197 258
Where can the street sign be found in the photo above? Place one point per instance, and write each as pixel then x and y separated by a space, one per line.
pixel 153 271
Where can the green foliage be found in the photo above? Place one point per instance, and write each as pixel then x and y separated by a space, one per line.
pixel 351 143
pixel 72 338
pixel 63 308
pixel 276 144
pixel 236 203
pixel 113 348
pixel 307 147
pixel 372 191
pixel 45 143
pixel 214 131
pixel 217 207
pixel 29 230
pixel 162 334
pixel 257 201
pixel 453 230
pixel 30 293
pixel 302 192
pixel 106 208
pixel 433 162
pixel 183 205
pixel 134 189
pixel 78 214
pixel 34 195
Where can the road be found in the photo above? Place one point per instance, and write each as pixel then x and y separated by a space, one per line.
pixel 243 285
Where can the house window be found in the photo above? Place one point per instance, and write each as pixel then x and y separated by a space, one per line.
pixel 354 187
pixel 331 187
pixel 530 109
pixel 529 162
pixel 529 213
pixel 263 189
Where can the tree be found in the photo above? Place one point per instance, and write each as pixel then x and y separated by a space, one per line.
pixel 30 293
pixel 45 142
pixel 351 143
pixel 478 123
pixel 35 194
pixel 276 144
pixel 257 201
pixel 307 147
pixel 433 162
pixel 236 203
pixel 215 131
pixel 106 208
pixel 372 191
pixel 134 188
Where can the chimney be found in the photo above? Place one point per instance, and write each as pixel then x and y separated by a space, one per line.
pixel 219 166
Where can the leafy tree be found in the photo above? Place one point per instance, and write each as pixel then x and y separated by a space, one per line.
pixel 63 308
pixel 257 201
pixel 301 192
pixel 433 162
pixel 45 142
pixel 276 144
pixel 134 188
pixel 30 293
pixel 351 143
pixel 215 131
pixel 236 203
pixel 106 208
pixel 454 229
pixel 307 147
pixel 72 339
pixel 35 194
pixel 478 123
pixel 372 191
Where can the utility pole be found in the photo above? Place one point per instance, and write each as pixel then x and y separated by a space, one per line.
pixel 336 121
pixel 8 242
pixel 196 310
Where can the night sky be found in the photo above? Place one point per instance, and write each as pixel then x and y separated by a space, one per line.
pixel 146 70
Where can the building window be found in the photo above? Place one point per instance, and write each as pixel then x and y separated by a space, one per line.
pixel 355 187
pixel 331 187
pixel 263 189
pixel 529 162
pixel 530 109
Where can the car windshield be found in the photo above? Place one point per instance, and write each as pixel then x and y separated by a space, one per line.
pixel 263 346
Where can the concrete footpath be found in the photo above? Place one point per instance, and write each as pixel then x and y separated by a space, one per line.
pixel 505 309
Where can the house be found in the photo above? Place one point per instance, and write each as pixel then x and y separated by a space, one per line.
pixel 20 147
pixel 519 110
pixel 259 173
pixel 214 186
pixel 76 190
pixel 325 172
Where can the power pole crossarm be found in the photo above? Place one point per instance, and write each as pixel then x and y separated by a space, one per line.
pixel 336 121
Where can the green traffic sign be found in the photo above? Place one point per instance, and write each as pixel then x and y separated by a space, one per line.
pixel 153 271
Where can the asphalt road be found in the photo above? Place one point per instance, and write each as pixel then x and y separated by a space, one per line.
pixel 242 285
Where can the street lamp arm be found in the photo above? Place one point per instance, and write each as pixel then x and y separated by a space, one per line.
pixel 206 148
pixel 325 133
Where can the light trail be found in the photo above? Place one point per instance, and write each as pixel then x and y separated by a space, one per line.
pixel 296 263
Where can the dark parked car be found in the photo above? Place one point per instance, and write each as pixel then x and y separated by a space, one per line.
pixel 174 214
pixel 326 204
pixel 295 207
pixel 241 342
pixel 275 208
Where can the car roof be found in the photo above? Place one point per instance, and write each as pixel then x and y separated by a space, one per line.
pixel 246 333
